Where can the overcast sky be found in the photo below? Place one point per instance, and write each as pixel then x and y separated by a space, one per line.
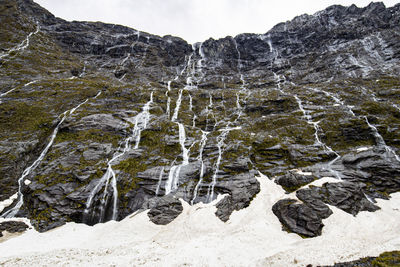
pixel 193 20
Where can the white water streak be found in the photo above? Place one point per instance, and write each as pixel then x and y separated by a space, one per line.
pixel 200 158
pixel 380 141
pixel 141 121
pixel 9 91
pixel 159 181
pixel 220 144
pixel 317 129
pixel 190 102
pixel 178 105
pixel 12 212
pixel 173 177
pixel 23 45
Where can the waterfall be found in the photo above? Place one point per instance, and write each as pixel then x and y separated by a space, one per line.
pixel 13 89
pixel 380 141
pixel 168 105
pixel 238 101
pixel 220 144
pixel 194 121
pixel 317 129
pixel 178 105
pixel 190 102
pixel 12 212
pixel 23 45
pixel 141 120
pixel 159 181
pixel 173 177
pixel 239 64
pixel 200 158
pixel 338 102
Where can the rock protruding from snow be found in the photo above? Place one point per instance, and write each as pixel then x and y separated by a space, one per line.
pixel 298 218
pixel 164 210
pixel 13 227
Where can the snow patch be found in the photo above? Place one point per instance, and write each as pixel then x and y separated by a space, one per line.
pixel 197 237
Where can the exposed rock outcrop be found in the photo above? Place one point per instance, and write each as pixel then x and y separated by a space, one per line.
pixel 13 227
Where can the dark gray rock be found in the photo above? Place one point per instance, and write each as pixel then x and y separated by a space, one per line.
pixel 13 227
pixel 349 197
pixel 241 188
pixel 164 210
pixel 293 180
pixel 298 218
pixel 376 168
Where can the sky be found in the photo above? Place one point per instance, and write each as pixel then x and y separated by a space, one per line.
pixel 193 20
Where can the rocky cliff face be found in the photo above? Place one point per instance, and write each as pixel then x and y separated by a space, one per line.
pixel 99 121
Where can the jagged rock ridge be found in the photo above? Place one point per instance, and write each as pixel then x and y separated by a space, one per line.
pixel 144 120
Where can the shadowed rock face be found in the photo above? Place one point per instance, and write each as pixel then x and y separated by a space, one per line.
pixel 299 218
pixel 101 120
pixel 164 210
pixel 12 227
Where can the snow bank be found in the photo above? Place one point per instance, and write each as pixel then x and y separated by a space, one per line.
pixel 252 237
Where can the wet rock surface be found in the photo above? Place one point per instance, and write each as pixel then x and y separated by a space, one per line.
pixel 298 218
pixel 164 210
pixel 12 227
pixel 101 120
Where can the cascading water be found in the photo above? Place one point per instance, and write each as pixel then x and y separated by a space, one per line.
pixel 200 158
pixel 12 212
pixel 177 107
pixel 190 102
pixel 168 99
pixel 173 177
pixel 13 89
pixel 159 181
pixel 317 129
pixel 23 45
pixel 338 102
pixel 200 62
pixel 83 71
pixel 220 144
pixel 275 55
pixel 141 120
pixel 239 64
pixel 380 141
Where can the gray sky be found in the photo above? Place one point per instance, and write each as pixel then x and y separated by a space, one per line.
pixel 193 20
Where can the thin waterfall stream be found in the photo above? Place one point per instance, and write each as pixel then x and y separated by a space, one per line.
pixel 22 180
pixel 140 123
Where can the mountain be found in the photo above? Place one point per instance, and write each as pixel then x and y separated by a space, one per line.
pixel 100 121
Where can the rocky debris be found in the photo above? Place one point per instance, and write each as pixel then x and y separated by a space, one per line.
pixel 164 210
pixel 12 227
pixel 241 190
pixel 298 218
